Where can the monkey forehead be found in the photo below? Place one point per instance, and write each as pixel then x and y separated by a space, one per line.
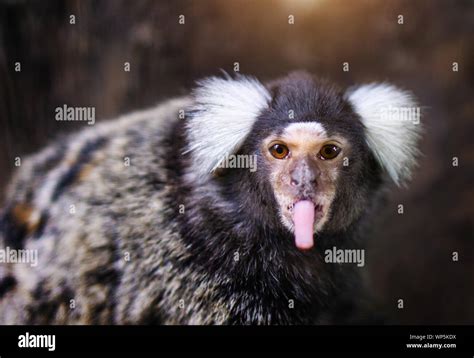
pixel 303 135
pixel 304 130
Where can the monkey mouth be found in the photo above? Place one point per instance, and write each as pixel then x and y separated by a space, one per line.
pixel 318 208
pixel 305 213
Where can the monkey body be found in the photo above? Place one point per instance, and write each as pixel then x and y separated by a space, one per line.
pixel 133 224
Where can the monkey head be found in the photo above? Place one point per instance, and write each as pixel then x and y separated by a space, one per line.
pixel 321 152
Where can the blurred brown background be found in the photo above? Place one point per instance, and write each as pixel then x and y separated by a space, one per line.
pixel 410 256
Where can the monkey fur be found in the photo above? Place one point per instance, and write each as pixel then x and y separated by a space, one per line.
pixel 134 222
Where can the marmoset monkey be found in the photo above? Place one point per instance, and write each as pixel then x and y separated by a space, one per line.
pixel 214 208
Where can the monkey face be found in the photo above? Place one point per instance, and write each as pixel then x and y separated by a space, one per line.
pixel 304 163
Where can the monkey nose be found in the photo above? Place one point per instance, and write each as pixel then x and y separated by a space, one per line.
pixel 302 180
pixel 302 175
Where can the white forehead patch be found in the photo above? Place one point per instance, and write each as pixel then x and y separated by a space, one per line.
pixel 311 128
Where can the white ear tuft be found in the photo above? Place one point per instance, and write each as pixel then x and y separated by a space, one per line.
pixel 392 120
pixel 224 112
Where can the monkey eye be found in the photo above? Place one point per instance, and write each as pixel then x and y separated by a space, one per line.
pixel 329 151
pixel 279 151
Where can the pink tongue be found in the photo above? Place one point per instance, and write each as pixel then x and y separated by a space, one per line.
pixel 303 217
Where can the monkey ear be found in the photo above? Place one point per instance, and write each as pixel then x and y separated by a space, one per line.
pixel 222 116
pixel 392 121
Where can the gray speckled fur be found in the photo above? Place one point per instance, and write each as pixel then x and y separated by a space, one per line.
pixel 110 280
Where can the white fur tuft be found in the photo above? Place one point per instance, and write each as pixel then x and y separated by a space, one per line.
pixel 224 112
pixel 392 120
